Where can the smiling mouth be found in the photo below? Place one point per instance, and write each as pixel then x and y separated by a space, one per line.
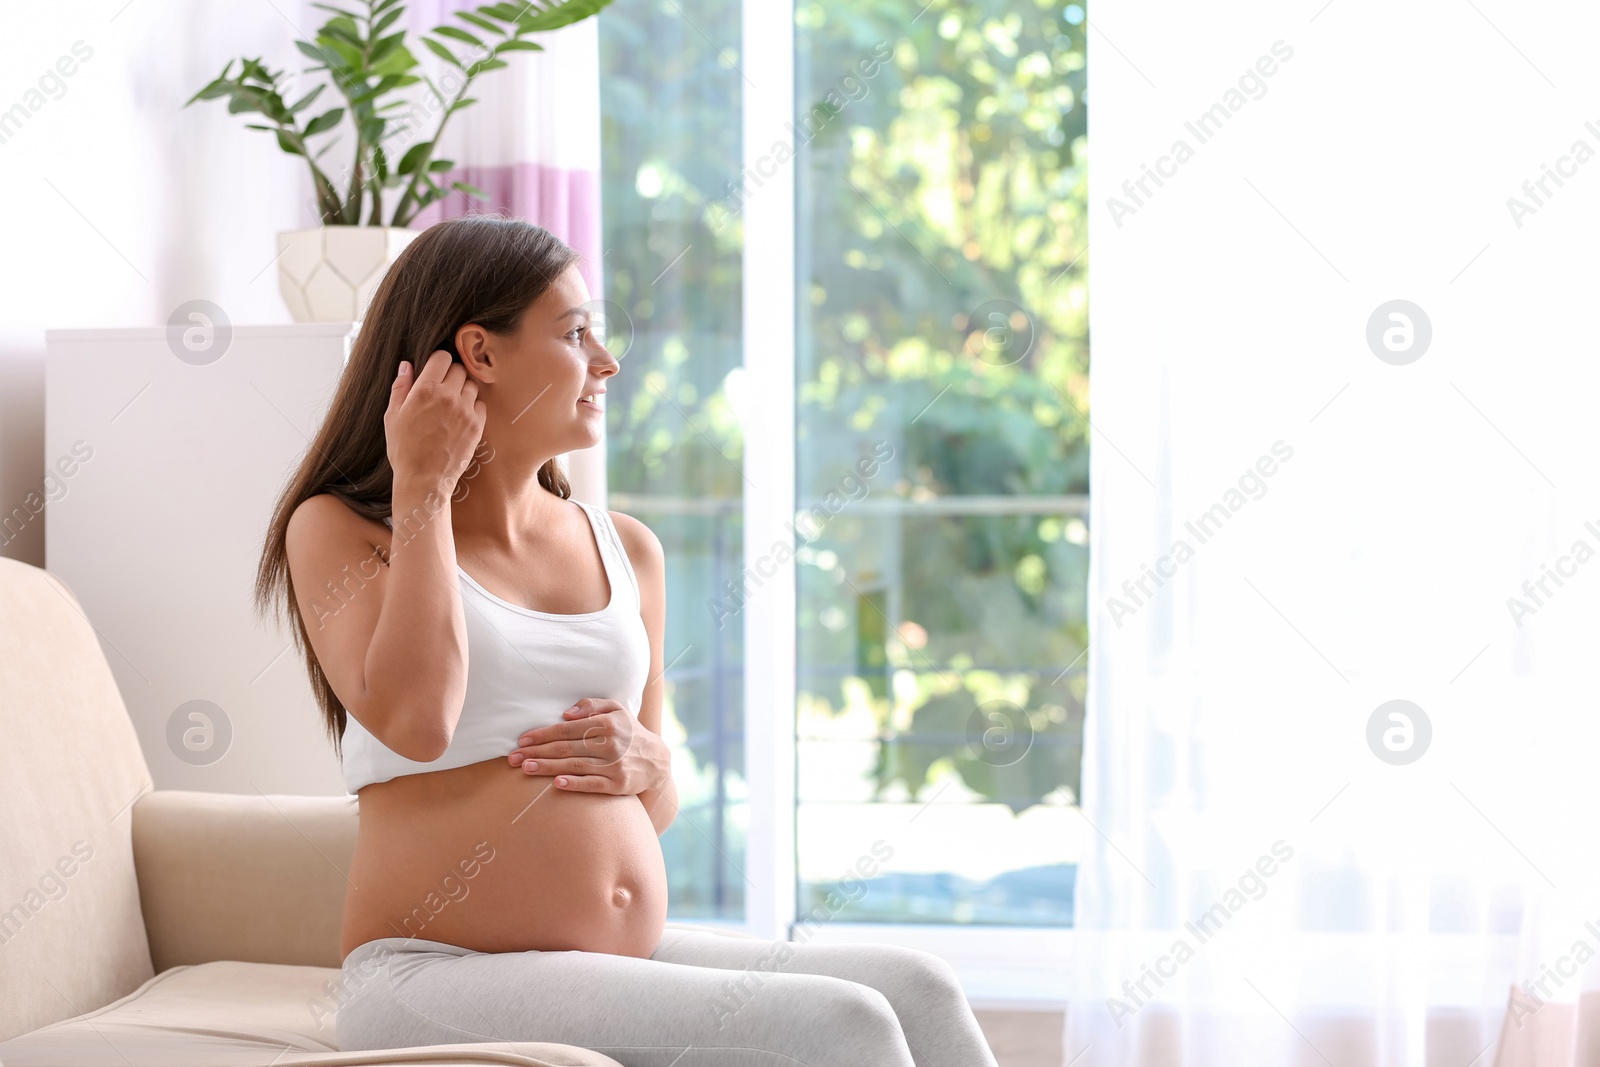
pixel 590 401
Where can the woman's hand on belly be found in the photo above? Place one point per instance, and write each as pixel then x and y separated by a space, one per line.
pixel 599 747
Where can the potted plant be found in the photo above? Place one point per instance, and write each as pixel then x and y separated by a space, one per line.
pixel 328 273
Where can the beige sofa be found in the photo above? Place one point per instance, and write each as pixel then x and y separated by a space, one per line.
pixel 160 929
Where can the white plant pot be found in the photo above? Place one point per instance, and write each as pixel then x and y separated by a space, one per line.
pixel 328 274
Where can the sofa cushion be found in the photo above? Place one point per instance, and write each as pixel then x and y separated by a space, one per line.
pixel 259 878
pixel 71 935
pixel 231 1014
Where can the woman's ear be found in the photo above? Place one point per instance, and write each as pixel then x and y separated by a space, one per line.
pixel 475 344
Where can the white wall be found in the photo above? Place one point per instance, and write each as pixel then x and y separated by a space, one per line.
pixel 173 470
pixel 122 204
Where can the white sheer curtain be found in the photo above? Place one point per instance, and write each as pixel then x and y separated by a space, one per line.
pixel 1269 889
pixel 532 142
pixel 1290 532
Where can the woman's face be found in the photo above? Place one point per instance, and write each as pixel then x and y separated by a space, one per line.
pixel 542 384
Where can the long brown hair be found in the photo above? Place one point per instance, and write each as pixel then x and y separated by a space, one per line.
pixel 483 269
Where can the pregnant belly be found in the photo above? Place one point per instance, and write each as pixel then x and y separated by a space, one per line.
pixel 495 860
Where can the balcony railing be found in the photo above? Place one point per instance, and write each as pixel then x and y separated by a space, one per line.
pixel 723 672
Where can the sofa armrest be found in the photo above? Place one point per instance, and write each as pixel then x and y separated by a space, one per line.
pixel 260 879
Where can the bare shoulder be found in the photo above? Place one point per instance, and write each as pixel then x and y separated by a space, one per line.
pixel 641 543
pixel 324 529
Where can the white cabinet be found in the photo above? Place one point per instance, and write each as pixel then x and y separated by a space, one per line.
pixel 164 469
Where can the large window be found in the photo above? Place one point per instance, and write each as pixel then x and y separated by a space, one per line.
pixel 942 325
pixel 941 472
pixel 670 100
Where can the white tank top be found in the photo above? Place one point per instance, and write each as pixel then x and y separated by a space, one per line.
pixel 526 667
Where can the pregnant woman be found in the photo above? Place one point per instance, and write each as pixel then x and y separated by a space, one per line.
pixel 487 652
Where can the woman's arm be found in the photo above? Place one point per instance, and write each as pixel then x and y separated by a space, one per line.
pixel 390 634
pixel 368 609
pixel 649 566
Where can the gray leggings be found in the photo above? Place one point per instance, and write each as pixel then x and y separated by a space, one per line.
pixel 703 999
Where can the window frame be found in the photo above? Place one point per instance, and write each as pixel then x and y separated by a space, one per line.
pixel 771 894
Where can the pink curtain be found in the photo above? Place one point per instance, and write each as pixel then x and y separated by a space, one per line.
pixel 532 142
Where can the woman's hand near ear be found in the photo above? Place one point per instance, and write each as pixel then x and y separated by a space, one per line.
pixel 433 423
